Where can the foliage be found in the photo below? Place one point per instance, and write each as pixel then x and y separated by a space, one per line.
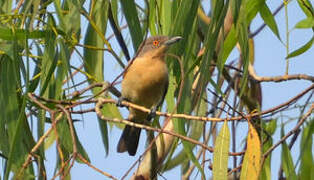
pixel 41 85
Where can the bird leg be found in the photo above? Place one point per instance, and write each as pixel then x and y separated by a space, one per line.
pixel 119 103
pixel 152 113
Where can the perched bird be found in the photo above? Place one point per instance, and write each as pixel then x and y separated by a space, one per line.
pixel 145 83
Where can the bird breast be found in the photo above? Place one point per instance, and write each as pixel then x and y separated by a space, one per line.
pixel 145 81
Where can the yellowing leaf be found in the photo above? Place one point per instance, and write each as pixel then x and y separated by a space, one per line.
pixel 252 159
pixel 220 162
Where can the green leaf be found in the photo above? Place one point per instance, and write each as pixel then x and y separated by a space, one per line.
pixel 306 7
pixel 114 9
pixel 8 103
pixel 220 162
pixel 195 132
pixel 59 11
pixel 166 14
pixel 210 43
pixel 65 138
pixel 269 19
pixel 6 6
pixel 48 62
pixel 266 169
pixel 189 153
pixel 34 81
pixel 302 49
pixel 152 18
pixel 21 34
pixel 94 62
pixel 306 146
pixel 286 159
pixel 235 5
pixel 184 24
pixel 251 9
pixel 72 19
pixel 131 16
pixel 16 132
pixel 271 127
pixel 228 46
pixel 305 23
pixel 243 40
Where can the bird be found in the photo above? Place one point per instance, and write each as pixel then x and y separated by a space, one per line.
pixel 145 83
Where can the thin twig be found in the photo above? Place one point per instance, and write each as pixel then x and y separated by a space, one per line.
pixel 95 168
pixel 73 136
pixel 280 78
pixel 296 134
pixel 294 130
pixel 36 147
pixel 190 117
pixel 101 101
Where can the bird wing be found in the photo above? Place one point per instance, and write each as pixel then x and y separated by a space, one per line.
pixel 164 95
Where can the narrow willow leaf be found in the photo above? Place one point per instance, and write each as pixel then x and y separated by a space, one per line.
pixel 266 169
pixel 235 5
pixel 94 63
pixel 166 21
pixel 16 132
pixel 302 49
pixel 270 128
pixel 114 9
pixel 252 159
pixel 251 51
pixel 152 18
pixel 185 19
pixel 6 6
pixel 306 7
pixel 195 133
pixel 170 105
pixel 219 13
pixel 131 16
pixel 286 159
pixel 306 146
pixel 269 19
pixel 72 19
pixel 220 162
pixel 8 102
pixel 50 140
pixel 34 81
pixel 49 61
pixel 229 44
pixel 251 9
pixel 60 14
pixel 189 153
pixel 65 137
pixel 13 119
pixel 305 23
pixel 243 40
pixel 93 60
pixel 4 105
pixel 21 34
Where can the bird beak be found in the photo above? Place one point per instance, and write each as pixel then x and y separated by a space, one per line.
pixel 173 40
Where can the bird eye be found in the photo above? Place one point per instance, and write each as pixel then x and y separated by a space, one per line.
pixel 155 43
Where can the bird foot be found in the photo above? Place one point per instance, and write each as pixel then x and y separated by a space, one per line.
pixel 119 103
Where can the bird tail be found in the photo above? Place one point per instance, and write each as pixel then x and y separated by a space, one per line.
pixel 129 140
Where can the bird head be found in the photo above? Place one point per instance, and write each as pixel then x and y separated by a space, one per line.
pixel 157 46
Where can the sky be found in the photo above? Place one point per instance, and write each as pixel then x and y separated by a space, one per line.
pixel 269 61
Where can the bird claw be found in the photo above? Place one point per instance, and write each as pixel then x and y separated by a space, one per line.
pixel 152 114
pixel 119 103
